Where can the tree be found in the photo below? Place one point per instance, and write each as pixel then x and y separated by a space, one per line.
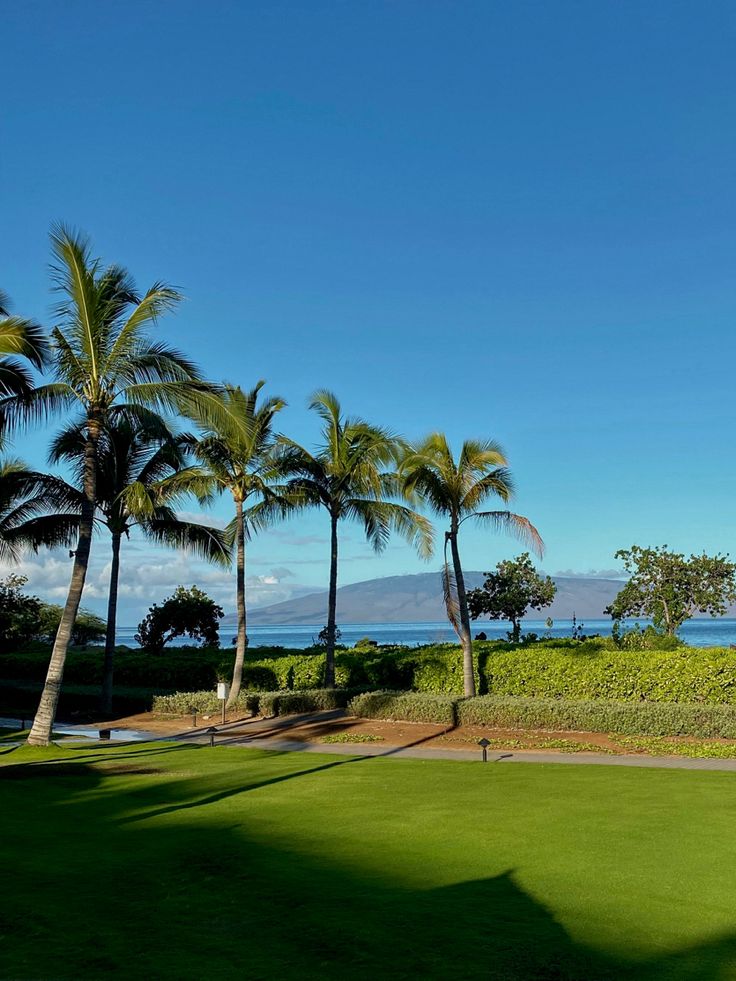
pixel 241 463
pixel 25 499
pixel 87 626
pixel 188 612
pixel 21 341
pixel 670 589
pixel 348 477
pixel 510 591
pixel 104 365
pixel 19 614
pixel 142 475
pixel 455 490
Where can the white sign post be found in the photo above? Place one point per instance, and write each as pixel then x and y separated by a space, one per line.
pixel 223 690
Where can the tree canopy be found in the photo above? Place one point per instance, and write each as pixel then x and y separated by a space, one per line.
pixel 510 591
pixel 189 612
pixel 669 588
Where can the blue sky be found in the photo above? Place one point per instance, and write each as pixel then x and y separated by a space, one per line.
pixel 507 220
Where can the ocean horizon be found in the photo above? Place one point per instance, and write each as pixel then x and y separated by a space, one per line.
pixel 697 633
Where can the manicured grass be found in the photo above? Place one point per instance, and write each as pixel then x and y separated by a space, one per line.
pixel 169 862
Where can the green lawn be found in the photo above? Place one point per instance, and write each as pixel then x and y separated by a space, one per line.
pixel 177 862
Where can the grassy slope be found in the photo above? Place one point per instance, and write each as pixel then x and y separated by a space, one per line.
pixel 178 862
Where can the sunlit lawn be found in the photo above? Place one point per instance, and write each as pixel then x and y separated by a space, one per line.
pixel 165 861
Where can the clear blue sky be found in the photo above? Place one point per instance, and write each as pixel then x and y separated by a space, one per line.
pixel 498 219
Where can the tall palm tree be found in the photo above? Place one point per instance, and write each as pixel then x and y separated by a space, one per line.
pixel 243 465
pixel 142 475
pixel 25 497
pixel 348 477
pixel 105 365
pixel 456 490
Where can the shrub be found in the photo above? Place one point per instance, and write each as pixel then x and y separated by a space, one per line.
pixel 627 718
pixel 683 675
pixel 184 702
pixel 408 707
pixel 266 703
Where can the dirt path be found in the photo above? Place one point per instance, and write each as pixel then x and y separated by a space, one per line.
pixel 335 732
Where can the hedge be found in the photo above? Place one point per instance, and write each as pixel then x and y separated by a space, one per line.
pixel 582 671
pixel 625 718
pixel 264 703
pixel 685 675
pixel 403 706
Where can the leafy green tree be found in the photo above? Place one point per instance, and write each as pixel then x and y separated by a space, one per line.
pixel 189 612
pixel 142 476
pixel 510 591
pixel 87 626
pixel 241 463
pixel 19 614
pixel 456 490
pixel 106 367
pixel 349 476
pixel 669 588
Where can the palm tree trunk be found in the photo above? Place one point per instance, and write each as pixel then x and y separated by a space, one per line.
pixel 240 603
pixel 43 723
pixel 112 613
pixel 331 608
pixel 462 602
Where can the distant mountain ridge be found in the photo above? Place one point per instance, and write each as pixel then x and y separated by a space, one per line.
pixel 418 599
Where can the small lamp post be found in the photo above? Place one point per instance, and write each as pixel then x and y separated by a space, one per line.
pixel 211 732
pixel 223 690
pixel 484 744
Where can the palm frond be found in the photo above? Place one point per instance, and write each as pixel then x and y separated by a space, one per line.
pixel 201 540
pixel 449 593
pixel 516 525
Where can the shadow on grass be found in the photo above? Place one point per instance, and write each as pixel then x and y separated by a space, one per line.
pixel 95 895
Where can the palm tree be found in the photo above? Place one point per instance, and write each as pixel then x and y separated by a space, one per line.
pixel 142 475
pixel 347 476
pixel 105 365
pixel 242 464
pixel 456 491
pixel 19 338
pixel 25 497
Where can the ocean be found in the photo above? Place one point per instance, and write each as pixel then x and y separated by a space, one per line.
pixel 698 633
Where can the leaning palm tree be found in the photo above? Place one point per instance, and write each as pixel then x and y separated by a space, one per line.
pixel 456 490
pixel 243 465
pixel 105 365
pixel 25 522
pixel 142 475
pixel 348 477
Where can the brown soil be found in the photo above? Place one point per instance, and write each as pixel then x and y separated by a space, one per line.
pixel 401 734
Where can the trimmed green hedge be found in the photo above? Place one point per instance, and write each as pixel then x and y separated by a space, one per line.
pixel 266 703
pixel 684 675
pixel 625 718
pixel 582 671
pixel 404 706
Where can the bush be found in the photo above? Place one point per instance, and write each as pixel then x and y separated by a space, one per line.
pixel 684 675
pixel 266 703
pixel 202 702
pixel 408 707
pixel 626 718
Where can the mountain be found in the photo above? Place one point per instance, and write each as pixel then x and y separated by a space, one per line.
pixel 418 599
